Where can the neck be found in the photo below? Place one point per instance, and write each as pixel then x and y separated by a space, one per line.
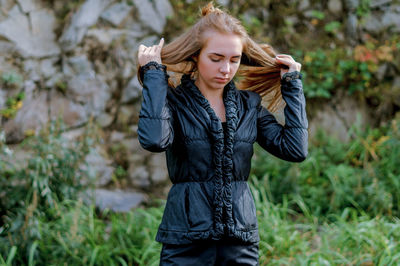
pixel 212 95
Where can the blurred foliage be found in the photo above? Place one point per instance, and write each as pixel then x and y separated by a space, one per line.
pixel 363 8
pixel 79 235
pixel 362 174
pixel 13 105
pixel 290 237
pixel 11 80
pixel 333 27
pixel 327 71
pixel 31 190
pixel 82 237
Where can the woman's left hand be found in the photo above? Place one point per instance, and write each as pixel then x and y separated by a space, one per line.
pixel 287 60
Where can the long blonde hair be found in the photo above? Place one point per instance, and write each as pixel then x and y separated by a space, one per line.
pixel 258 70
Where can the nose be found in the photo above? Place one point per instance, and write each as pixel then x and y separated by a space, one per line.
pixel 225 68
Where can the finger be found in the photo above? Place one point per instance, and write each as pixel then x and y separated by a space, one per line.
pixel 286 61
pixel 286 58
pixel 142 47
pixel 283 55
pixel 141 50
pixel 283 61
pixel 145 52
pixel 153 49
pixel 161 44
pixel 158 48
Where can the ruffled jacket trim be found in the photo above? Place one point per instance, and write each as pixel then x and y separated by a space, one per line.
pixel 222 160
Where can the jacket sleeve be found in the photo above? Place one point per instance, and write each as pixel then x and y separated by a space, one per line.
pixel 155 120
pixel 288 142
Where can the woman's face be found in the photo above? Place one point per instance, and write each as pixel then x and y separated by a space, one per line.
pixel 218 61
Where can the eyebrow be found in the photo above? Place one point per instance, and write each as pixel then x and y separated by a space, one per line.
pixel 221 55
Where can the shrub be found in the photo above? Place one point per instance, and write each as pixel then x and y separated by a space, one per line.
pixel 31 190
pixel 361 174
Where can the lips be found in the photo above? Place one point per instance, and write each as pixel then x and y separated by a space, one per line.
pixel 221 80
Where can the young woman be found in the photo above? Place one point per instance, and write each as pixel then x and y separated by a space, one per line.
pixel 207 127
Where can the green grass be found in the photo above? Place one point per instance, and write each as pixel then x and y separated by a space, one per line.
pixel 80 236
pixel 292 238
pixel 83 237
pixel 362 174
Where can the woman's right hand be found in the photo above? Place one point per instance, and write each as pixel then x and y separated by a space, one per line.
pixel 152 53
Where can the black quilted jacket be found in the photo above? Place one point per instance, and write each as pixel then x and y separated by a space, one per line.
pixel 210 197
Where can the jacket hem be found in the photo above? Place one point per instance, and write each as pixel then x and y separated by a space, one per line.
pixel 188 237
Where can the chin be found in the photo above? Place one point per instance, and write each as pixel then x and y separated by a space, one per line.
pixel 220 85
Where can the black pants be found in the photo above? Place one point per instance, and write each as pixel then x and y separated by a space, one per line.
pixel 209 253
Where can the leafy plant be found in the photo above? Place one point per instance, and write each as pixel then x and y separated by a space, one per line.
pixel 317 14
pixel 11 79
pixel 32 190
pixel 363 8
pixel 13 104
pixel 360 174
pixel 372 53
pixel 327 71
pixel 333 27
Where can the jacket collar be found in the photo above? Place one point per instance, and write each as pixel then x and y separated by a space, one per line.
pixel 229 97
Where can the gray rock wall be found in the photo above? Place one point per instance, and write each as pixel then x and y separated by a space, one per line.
pixel 83 66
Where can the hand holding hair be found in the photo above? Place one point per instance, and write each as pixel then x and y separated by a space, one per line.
pixel 287 60
pixel 148 54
